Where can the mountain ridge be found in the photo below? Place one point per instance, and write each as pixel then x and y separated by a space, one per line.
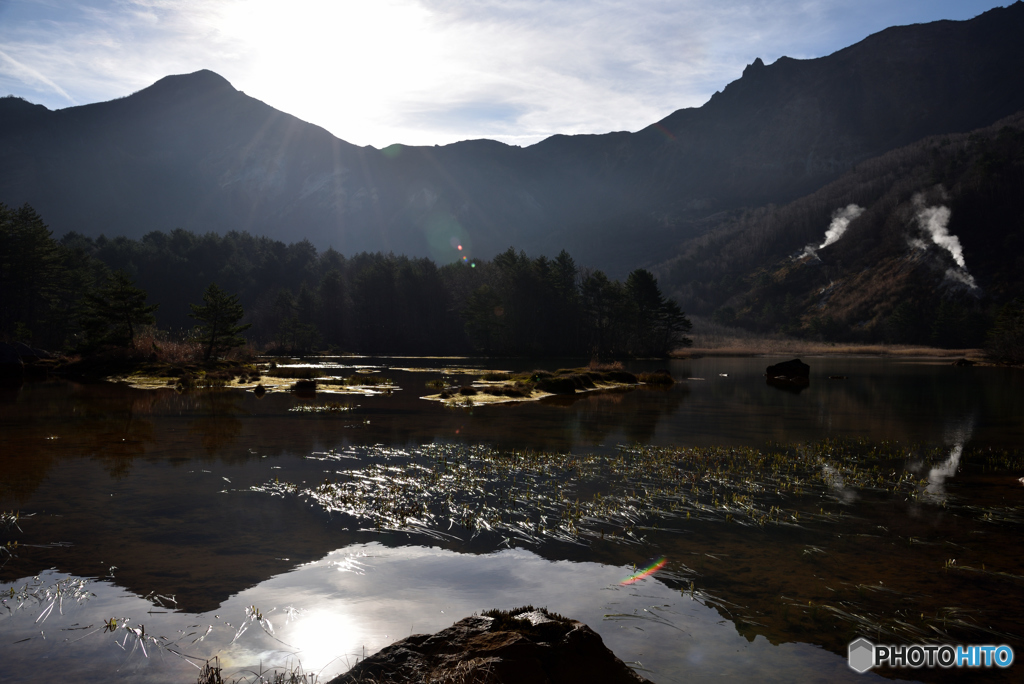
pixel 191 151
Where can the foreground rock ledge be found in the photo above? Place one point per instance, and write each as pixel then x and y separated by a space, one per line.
pixel 498 648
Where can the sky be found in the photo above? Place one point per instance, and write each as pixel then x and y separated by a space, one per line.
pixel 428 72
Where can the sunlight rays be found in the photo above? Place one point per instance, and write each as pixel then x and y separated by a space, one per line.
pixel 338 62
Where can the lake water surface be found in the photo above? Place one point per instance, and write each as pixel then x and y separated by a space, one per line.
pixel 887 504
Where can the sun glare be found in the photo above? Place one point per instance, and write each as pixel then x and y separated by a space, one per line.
pixel 325 636
pixel 342 63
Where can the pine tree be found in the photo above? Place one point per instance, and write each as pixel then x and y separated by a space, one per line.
pixel 29 271
pixel 218 317
pixel 658 324
pixel 114 313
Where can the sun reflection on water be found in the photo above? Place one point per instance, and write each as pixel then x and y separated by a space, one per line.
pixel 325 635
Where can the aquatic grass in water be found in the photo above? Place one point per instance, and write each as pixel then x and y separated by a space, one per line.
pixel 45 596
pixel 50 597
pixel 45 599
pixel 8 521
pixel 528 497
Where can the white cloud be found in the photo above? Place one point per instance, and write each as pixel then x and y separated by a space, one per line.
pixel 29 75
pixel 427 71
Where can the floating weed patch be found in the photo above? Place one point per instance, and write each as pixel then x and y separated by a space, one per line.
pixel 329 407
pixel 498 387
pixel 359 381
pixel 496 376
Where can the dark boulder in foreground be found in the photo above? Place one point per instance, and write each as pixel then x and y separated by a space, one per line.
pixel 521 645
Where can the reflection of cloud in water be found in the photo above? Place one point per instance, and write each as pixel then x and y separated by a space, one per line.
pixel 325 616
pixel 957 434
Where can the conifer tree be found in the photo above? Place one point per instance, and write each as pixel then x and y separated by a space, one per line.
pixel 218 317
pixel 658 324
pixel 114 313
pixel 29 270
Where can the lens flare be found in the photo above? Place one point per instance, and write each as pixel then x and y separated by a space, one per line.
pixel 646 572
pixel 664 131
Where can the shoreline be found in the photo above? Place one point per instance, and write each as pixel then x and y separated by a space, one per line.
pixel 768 347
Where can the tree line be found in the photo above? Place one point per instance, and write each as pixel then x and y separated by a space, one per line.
pixel 81 293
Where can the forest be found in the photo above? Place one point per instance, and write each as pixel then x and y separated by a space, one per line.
pixel 81 294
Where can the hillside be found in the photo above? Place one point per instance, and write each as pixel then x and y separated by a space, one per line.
pixel 193 152
pixel 934 242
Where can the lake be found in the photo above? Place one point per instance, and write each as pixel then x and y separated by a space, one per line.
pixel 158 528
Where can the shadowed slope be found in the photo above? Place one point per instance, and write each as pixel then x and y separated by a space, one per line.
pixel 193 152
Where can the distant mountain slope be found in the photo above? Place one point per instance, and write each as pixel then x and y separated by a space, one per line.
pixel 193 152
pixel 934 244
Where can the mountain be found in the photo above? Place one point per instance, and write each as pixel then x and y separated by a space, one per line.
pixel 191 151
pixel 919 245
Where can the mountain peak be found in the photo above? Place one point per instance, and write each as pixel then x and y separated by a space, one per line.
pixel 198 82
pixel 758 64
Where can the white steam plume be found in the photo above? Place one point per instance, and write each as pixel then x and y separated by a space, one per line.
pixel 840 221
pixel 917 243
pixel 961 276
pixel 934 220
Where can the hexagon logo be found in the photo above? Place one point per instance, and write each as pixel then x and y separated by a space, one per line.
pixel 862 655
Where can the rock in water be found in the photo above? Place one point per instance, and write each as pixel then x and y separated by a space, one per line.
pixel 793 375
pixel 518 646
pixel 789 369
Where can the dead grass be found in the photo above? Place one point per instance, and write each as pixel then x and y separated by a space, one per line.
pixel 596 365
pixel 758 347
pixel 168 349
pixel 711 339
